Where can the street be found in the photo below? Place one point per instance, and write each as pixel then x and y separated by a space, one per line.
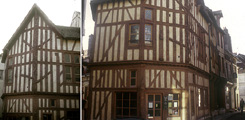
pixel 237 116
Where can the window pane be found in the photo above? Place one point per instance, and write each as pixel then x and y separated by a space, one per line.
pixel 170 96
pixel 170 111
pixel 133 73
pixel 125 95
pixel 176 96
pixel 150 105
pixel 133 112
pixel 68 69
pixel 77 78
pixel 148 31
pixel 133 95
pixel 157 98
pixel 148 14
pixel 132 82
pixel 175 111
pixel 169 104
pixel 157 113
pixel 125 103
pixel 77 70
pixel 119 103
pixel 134 38
pixel 157 105
pixel 119 111
pixel 150 97
pixel 67 58
pixel 133 103
pixel 125 111
pixel 9 75
pixel 119 95
pixel 175 104
pixel 134 29
pixel 150 113
pixel 76 59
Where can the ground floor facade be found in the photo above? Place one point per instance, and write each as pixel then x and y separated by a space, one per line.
pixel 152 92
pixel 41 107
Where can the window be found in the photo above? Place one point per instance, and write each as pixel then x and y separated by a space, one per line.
pixel 154 106
pixel 126 104
pixel 77 74
pixel 1 74
pixel 52 102
pixel 76 59
pixel 68 73
pixel 199 97
pixel 11 61
pixel 148 14
pixel 148 33
pixel 133 76
pixel 134 33
pixel 173 104
pixel 192 103
pixel 72 115
pixel 47 116
pixel 205 97
pixel 10 76
pixel 67 58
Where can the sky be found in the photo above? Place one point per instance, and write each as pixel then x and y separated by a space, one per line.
pixel 233 19
pixel 13 12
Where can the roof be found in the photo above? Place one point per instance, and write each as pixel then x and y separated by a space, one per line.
pixel 69 32
pixel 64 32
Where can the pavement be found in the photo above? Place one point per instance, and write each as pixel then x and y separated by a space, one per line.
pixel 228 116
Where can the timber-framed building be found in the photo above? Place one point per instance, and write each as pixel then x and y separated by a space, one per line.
pixel 42 70
pixel 151 60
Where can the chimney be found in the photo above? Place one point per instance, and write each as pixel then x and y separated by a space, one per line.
pixel 218 14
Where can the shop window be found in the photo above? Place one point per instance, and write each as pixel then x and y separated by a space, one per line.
pixel 133 78
pixel 154 106
pixel 173 104
pixel 148 14
pixel 148 33
pixel 126 104
pixel 134 33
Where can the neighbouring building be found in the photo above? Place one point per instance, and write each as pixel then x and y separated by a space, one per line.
pixel 2 67
pixel 42 70
pixel 241 76
pixel 156 59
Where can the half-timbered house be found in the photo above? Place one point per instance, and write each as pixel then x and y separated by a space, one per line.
pixel 150 59
pixel 43 70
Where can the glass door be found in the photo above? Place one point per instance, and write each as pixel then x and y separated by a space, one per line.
pixel 154 107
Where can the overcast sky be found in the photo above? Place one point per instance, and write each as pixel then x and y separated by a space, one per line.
pixel 233 19
pixel 13 12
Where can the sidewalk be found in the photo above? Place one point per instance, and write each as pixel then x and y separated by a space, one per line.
pixel 223 116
